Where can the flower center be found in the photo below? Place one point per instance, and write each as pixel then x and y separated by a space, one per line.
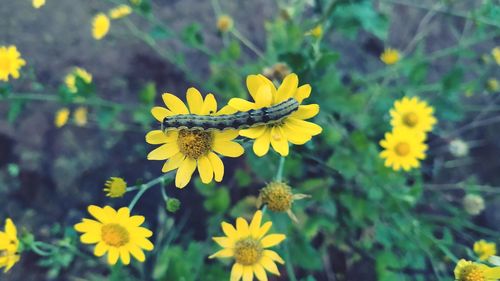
pixel 194 143
pixel 278 196
pixel 410 119
pixel 247 251
pixel 472 273
pixel 115 235
pixel 402 149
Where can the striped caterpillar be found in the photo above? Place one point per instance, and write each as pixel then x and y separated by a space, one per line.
pixel 238 120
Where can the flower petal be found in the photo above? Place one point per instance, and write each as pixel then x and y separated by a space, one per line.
pixel 175 104
pixel 269 265
pixel 210 105
pixel 100 249
pixel 272 240
pixel 279 141
pixel 156 137
pixel 184 173
pixel 253 84
pixel 247 273
pixel 217 165
pixel 254 132
pixel 113 255
pixel 261 144
pixel 229 230
pixel 98 213
pixel 125 255
pixel 303 92
pixel 241 104
pixel 226 135
pixel 264 229
pixel 224 242
pixel 242 227
pixel 159 113
pixel 259 271
pixel 228 148
pixel 137 253
pixel 306 111
pixel 288 87
pixel 194 100
pixel 294 136
pixel 274 256
pixel 164 152
pixel 205 169
pixel 173 163
pixel 236 272
pixel 224 253
pixel 255 224
pixel 304 126
pixel 264 96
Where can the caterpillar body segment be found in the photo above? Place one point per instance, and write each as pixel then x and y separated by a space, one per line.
pixel 238 120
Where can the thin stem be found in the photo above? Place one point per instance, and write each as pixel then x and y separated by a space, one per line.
pixel 288 264
pixel 247 43
pixel 145 187
pixel 279 174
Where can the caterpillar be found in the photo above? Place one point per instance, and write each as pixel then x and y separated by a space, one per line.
pixel 238 120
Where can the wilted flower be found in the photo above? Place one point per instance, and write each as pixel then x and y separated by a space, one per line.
pixel 278 197
pixel 473 204
pixel 277 72
pixel 80 116
pixel 458 148
pixel 224 23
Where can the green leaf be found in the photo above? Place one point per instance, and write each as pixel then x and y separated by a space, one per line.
pixel 192 35
pixel 159 32
pixel 14 111
pixel 219 201
pixel 148 93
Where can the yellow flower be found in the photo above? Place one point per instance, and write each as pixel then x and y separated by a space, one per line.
pixel 316 32
pixel 117 233
pixel 62 116
pixel 278 197
pixel 80 116
pixel 224 23
pixel 492 85
pixel 484 250
pixel 403 149
pixel 248 244
pixel 100 26
pixel 115 187
pixel 9 246
pixel 186 150
pixel 413 114
pixel 471 271
pixel 291 129
pixel 496 54
pixel 390 56
pixel 38 3
pixel 120 12
pixel 70 79
pixel 10 62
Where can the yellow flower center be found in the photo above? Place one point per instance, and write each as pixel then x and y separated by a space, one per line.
pixel 194 143
pixel 278 196
pixel 410 119
pixel 402 149
pixel 247 251
pixel 472 273
pixel 115 235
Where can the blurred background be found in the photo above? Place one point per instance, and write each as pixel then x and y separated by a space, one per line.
pixel 351 228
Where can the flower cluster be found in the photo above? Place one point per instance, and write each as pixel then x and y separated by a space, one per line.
pixel 404 147
pixel 102 22
pixel 187 150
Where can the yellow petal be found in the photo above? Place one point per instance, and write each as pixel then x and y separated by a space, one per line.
pixel 205 169
pixel 98 213
pixel 228 148
pixel 241 104
pixel 254 132
pixel 274 256
pixel 304 126
pixel 288 87
pixel 159 113
pixel 242 227
pixel 226 135
pixel 294 136
pixel 173 163
pixel 492 273
pixel 247 273
pixel 260 273
pixel 185 172
pixel 226 110
pixel 145 244
pixel 264 97
pixel 100 249
pixel 261 144
pixel 137 253
pixel 306 111
pixel 269 265
pixel 255 224
pixel 272 240
pixel 10 228
pixel 279 141
pixel 217 165
pixel 224 242
pixel 303 92
pixel 195 100
pixel 123 213
pixel 224 253
pixel 229 230
pixel 125 255
pixel 236 272
pixel 164 152
pixel 136 220
pixel 90 237
pixel 174 104
pixel 113 255
pixel 264 229
pixel 87 225
pixel 156 137
pixel 209 105
pixel 253 84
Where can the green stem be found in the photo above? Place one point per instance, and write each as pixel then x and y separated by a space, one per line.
pixel 145 187
pixel 288 264
pixel 279 174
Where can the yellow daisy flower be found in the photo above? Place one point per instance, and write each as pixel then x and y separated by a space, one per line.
pixel 403 149
pixel 291 129
pixel 100 26
pixel 248 244
pixel 224 23
pixel 390 56
pixel 187 150
pixel 38 3
pixel 80 116
pixel 471 271
pixel 115 187
pixel 120 11
pixel 10 62
pixel 70 79
pixel 117 233
pixel 484 250
pixel 413 114
pixel 495 52
pixel 9 246
pixel 61 118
